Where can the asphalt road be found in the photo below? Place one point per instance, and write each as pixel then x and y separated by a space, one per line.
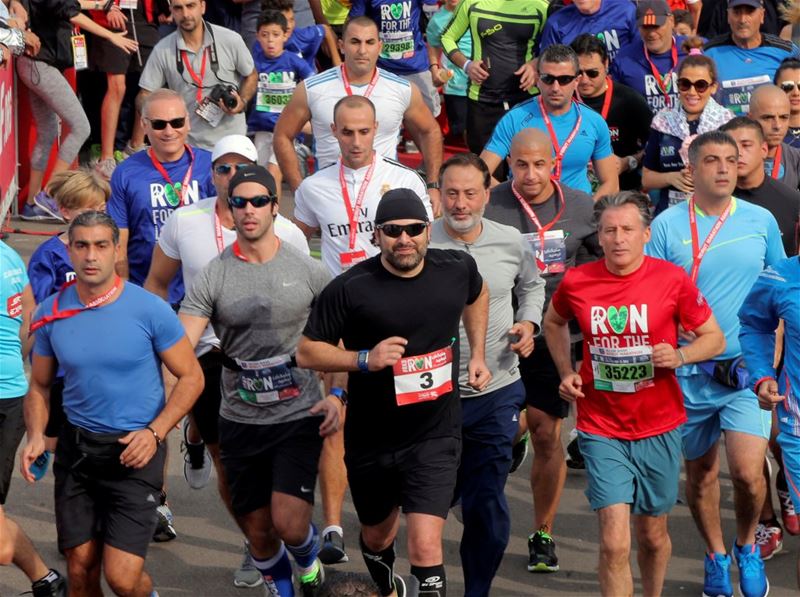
pixel 201 560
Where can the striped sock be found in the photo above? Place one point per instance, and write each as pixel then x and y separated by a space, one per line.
pixel 277 572
pixel 305 554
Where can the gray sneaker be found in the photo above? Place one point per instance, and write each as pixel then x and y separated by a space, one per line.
pixel 332 550
pixel 247 576
pixel 105 168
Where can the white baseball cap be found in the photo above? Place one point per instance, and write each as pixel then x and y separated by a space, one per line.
pixel 238 144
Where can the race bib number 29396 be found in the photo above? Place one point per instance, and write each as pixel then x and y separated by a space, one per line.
pixel 423 377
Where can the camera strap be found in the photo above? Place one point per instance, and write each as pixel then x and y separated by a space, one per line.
pixel 209 51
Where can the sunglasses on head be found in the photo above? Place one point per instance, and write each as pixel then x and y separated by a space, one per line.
pixel 789 86
pixel 225 169
pixel 257 201
pixel 395 230
pixel 549 79
pixel 592 73
pixel 160 125
pixel 701 85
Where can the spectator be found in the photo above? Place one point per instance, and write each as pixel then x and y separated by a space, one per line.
pixel 787 77
pixel 306 41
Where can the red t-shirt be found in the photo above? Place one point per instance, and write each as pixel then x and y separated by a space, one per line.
pixel 621 318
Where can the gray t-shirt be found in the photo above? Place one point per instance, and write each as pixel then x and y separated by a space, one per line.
pixel 258 312
pixel 234 63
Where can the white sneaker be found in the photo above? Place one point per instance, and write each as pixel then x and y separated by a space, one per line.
pixel 247 576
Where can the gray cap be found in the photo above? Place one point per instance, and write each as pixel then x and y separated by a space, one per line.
pixel 400 204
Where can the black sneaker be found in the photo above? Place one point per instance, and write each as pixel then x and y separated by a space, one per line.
pixel 311 583
pixel 542 551
pixel 519 452
pixel 332 550
pixel 575 458
pixel 50 588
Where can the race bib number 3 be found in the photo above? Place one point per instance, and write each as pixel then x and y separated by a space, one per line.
pixel 626 370
pixel 267 381
pixel 424 377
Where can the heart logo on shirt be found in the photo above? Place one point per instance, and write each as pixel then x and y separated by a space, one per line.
pixel 420 364
pixel 397 10
pixel 618 318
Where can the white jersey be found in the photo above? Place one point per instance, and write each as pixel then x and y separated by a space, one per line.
pixel 391 96
pixel 189 236
pixel 319 203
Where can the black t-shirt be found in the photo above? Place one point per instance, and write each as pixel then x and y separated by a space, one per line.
pixel 368 304
pixel 781 201
pixel 628 121
pixel 49 20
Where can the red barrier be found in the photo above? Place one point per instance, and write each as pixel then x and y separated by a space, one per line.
pixel 8 139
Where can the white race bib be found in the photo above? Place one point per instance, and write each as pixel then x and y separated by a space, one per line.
pixel 424 377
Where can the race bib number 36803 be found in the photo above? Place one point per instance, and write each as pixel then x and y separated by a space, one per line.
pixel 423 377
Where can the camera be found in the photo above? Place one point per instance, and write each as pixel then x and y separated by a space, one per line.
pixel 224 93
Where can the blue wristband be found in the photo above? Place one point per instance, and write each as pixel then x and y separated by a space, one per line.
pixel 363 361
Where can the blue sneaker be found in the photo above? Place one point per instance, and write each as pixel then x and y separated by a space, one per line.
pixel 34 213
pixel 717 581
pixel 752 578
pixel 48 205
pixel 39 466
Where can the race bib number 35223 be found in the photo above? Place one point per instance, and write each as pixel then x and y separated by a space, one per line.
pixel 423 377
pixel 626 370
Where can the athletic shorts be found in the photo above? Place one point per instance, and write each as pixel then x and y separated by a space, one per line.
pixel 56 419
pixel 790 449
pixel 263 142
pixel 260 459
pixel 12 428
pixel 430 93
pixel 541 379
pixel 712 408
pixel 98 498
pixel 643 473
pixel 206 410
pixel 420 478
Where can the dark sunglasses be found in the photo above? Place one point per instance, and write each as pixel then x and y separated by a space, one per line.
pixel 789 86
pixel 257 201
pixel 225 169
pixel 549 79
pixel 592 73
pixel 701 85
pixel 395 230
pixel 160 125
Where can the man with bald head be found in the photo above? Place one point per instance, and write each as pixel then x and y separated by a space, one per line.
pixel 769 107
pixel 557 222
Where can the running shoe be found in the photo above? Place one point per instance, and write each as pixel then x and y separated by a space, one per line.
pixel 34 213
pixel 574 456
pixel 717 580
pixel 519 452
pixel 197 462
pixel 542 552
pixel 769 538
pixel 247 576
pixel 165 531
pixel 119 156
pixel 52 585
pixel 39 466
pixel 311 582
pixel 791 521
pixel 47 204
pixel 129 150
pixel 105 168
pixel 752 577
pixel 332 550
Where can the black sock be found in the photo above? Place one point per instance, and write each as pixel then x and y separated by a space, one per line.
pixel 380 565
pixel 432 580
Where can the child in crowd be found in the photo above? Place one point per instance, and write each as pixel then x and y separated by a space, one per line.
pixel 306 41
pixel 683 22
pixel 278 74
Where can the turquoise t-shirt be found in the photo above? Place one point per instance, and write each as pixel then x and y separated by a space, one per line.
pixel 13 278
pixel 458 84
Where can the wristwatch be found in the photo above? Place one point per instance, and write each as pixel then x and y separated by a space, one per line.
pixel 432 185
pixel 363 361
pixel 633 163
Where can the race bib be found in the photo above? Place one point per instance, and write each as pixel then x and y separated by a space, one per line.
pixel 210 112
pixel 397 45
pixel 128 4
pixel 14 305
pixel 552 257
pixel 735 93
pixel 674 197
pixel 273 97
pixel 80 57
pixel 424 377
pixel 628 369
pixel 267 381
pixel 348 260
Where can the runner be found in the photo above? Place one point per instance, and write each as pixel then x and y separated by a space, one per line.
pixel 397 316
pixel 630 409
pixel 770 107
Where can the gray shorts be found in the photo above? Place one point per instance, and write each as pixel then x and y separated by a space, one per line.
pixel 430 94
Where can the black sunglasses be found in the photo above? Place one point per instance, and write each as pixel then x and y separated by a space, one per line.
pixel 789 86
pixel 395 230
pixel 592 73
pixel 257 201
pixel 225 169
pixel 701 85
pixel 549 79
pixel 160 125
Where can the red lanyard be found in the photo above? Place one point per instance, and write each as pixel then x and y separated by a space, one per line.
pixel 560 151
pixel 607 98
pixel 349 91
pixel 184 190
pixel 197 80
pixel 659 80
pixel 776 163
pixel 218 232
pixel 353 210
pixel 67 313
pixel 237 250
pixel 699 252
pixel 532 215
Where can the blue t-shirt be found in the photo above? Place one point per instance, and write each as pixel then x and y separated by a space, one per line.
pixel 277 79
pixel 112 371
pixel 49 268
pixel 305 43
pixel 614 23
pixel 740 71
pixel 404 51
pixel 138 204
pixel 662 154
pixel 748 242
pixel 631 68
pixel 13 280
pixel 593 141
